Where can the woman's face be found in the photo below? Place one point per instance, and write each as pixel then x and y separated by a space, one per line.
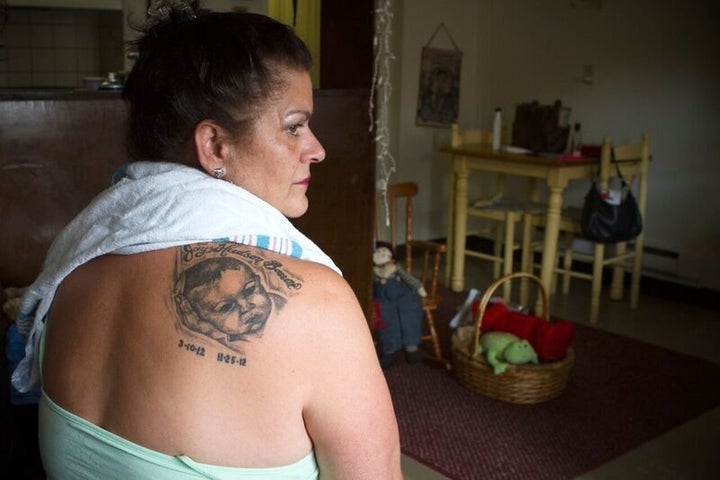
pixel 275 162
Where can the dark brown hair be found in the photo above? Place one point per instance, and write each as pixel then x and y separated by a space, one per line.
pixel 194 66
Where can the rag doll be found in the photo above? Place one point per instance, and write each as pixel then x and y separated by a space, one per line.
pixel 399 297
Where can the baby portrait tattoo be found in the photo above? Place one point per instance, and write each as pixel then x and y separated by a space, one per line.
pixel 227 294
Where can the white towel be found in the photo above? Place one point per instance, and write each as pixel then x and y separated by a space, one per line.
pixel 153 206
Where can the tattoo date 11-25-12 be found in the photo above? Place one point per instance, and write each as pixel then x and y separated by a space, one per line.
pixel 221 357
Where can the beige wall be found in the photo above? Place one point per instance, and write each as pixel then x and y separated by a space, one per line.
pixel 656 70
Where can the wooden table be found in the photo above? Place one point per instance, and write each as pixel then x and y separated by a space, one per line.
pixel 470 159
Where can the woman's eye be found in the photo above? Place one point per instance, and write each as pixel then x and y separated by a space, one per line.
pixel 293 129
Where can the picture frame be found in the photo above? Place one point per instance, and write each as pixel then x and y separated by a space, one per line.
pixel 439 90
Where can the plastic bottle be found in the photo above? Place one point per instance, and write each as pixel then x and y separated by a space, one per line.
pixel 497 129
pixel 576 141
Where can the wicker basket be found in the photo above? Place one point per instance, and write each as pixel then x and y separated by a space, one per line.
pixel 522 384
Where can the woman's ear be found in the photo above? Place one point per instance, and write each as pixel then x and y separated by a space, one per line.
pixel 209 138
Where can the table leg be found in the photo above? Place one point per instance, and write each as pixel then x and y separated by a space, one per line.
pixel 508 254
pixel 450 242
pixel 552 226
pixel 526 264
pixel 457 279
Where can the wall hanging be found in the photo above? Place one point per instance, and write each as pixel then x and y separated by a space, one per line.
pixel 439 92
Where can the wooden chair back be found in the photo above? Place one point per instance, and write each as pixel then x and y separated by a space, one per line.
pixel 394 224
pixel 617 257
pixel 477 137
pixel 469 136
pixel 394 217
pixel 637 152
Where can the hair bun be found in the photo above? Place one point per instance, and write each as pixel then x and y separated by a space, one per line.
pixel 170 11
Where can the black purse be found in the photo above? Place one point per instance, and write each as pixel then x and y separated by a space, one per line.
pixel 606 222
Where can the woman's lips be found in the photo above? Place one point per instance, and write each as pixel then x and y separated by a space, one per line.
pixel 305 182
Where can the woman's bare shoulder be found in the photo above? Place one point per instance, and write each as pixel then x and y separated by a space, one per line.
pixel 339 360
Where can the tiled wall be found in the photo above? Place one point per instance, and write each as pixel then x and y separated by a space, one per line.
pixel 57 48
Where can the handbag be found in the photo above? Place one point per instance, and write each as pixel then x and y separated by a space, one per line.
pixel 607 221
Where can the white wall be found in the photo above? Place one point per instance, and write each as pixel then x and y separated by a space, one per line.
pixel 656 70
pixel 135 12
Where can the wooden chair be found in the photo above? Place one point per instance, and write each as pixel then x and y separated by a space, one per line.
pixel 501 212
pixel 602 256
pixel 394 224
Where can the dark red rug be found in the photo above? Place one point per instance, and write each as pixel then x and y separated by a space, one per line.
pixel 621 394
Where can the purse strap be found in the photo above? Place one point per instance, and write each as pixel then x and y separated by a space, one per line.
pixel 617 165
pixel 617 169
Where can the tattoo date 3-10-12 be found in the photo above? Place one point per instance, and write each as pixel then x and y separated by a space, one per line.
pixel 220 358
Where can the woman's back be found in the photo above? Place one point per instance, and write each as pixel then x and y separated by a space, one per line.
pixel 122 353
pixel 220 352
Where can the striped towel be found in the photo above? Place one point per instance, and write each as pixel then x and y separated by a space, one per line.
pixel 151 206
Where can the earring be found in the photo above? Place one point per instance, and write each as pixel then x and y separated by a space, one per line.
pixel 218 172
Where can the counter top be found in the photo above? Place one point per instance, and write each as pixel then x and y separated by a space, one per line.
pixel 55 93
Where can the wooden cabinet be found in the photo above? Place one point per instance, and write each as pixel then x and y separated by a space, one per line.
pixel 342 193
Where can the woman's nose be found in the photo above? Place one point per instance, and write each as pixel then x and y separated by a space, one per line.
pixel 316 152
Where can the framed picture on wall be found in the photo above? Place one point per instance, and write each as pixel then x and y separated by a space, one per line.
pixel 439 92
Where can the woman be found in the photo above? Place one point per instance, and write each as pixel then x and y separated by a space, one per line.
pixel 183 328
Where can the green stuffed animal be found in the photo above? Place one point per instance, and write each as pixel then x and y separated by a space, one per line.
pixel 502 348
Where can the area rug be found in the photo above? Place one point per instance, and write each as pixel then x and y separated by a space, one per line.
pixel 621 393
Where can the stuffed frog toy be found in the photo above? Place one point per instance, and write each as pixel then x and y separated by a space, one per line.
pixel 502 348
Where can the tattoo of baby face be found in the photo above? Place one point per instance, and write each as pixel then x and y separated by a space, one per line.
pixel 227 297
